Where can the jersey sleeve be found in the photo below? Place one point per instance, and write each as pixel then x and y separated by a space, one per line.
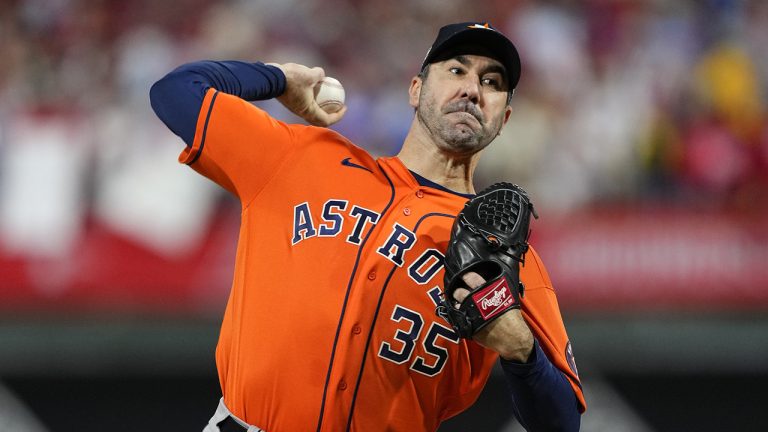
pixel 542 313
pixel 238 145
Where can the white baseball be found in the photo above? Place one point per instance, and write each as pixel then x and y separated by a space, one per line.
pixel 329 94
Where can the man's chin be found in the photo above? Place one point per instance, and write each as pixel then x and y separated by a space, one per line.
pixel 466 128
pixel 464 143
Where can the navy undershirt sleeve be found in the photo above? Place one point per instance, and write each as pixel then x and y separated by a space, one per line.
pixel 543 399
pixel 178 97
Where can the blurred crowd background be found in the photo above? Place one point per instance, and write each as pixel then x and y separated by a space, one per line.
pixel 620 100
pixel 625 107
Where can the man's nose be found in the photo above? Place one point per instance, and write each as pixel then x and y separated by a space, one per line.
pixel 471 89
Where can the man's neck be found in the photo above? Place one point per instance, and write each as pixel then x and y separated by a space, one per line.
pixel 421 155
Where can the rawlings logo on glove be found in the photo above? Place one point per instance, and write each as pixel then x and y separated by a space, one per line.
pixel 490 238
pixel 499 297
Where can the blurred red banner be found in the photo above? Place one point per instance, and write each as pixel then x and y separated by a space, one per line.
pixel 606 259
pixel 657 258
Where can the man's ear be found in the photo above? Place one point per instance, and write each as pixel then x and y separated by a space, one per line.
pixel 507 113
pixel 414 91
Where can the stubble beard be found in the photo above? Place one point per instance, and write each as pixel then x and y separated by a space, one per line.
pixel 459 139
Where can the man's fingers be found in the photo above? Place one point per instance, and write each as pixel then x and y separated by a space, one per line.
pixel 459 295
pixel 472 279
pixel 317 74
pixel 318 117
pixel 301 76
pixel 335 117
pixel 299 95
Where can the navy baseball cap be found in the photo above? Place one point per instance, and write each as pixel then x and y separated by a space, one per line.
pixel 482 35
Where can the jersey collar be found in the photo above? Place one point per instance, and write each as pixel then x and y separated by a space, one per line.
pixel 415 180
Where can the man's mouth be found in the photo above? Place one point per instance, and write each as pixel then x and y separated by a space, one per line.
pixel 465 109
pixel 467 118
pixel 468 114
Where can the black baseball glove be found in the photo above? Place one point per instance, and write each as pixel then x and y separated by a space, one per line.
pixel 489 237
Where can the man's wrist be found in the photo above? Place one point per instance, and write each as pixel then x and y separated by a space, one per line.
pixel 523 362
pixel 522 353
pixel 280 77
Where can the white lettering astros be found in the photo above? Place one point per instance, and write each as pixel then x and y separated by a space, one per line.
pixel 330 222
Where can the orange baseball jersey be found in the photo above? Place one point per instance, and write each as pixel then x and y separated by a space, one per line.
pixel 331 324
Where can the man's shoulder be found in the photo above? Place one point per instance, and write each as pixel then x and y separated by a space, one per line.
pixel 329 140
pixel 534 272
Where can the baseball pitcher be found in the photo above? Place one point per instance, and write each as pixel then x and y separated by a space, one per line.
pixel 374 294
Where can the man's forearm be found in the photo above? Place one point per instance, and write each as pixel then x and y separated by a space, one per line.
pixel 542 396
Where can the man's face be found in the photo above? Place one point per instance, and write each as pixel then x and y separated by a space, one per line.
pixel 462 102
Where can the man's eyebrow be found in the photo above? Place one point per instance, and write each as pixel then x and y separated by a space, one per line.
pixel 493 68
pixel 462 59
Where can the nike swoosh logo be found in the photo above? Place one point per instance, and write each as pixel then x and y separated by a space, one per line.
pixel 348 162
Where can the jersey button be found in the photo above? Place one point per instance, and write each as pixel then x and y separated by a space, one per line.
pixel 406 211
pixel 342 385
pixel 372 275
pixel 420 193
pixel 356 329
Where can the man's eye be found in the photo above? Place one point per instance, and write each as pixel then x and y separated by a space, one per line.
pixel 492 82
pixel 455 70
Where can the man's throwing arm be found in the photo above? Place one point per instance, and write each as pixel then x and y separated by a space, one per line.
pixel 178 96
